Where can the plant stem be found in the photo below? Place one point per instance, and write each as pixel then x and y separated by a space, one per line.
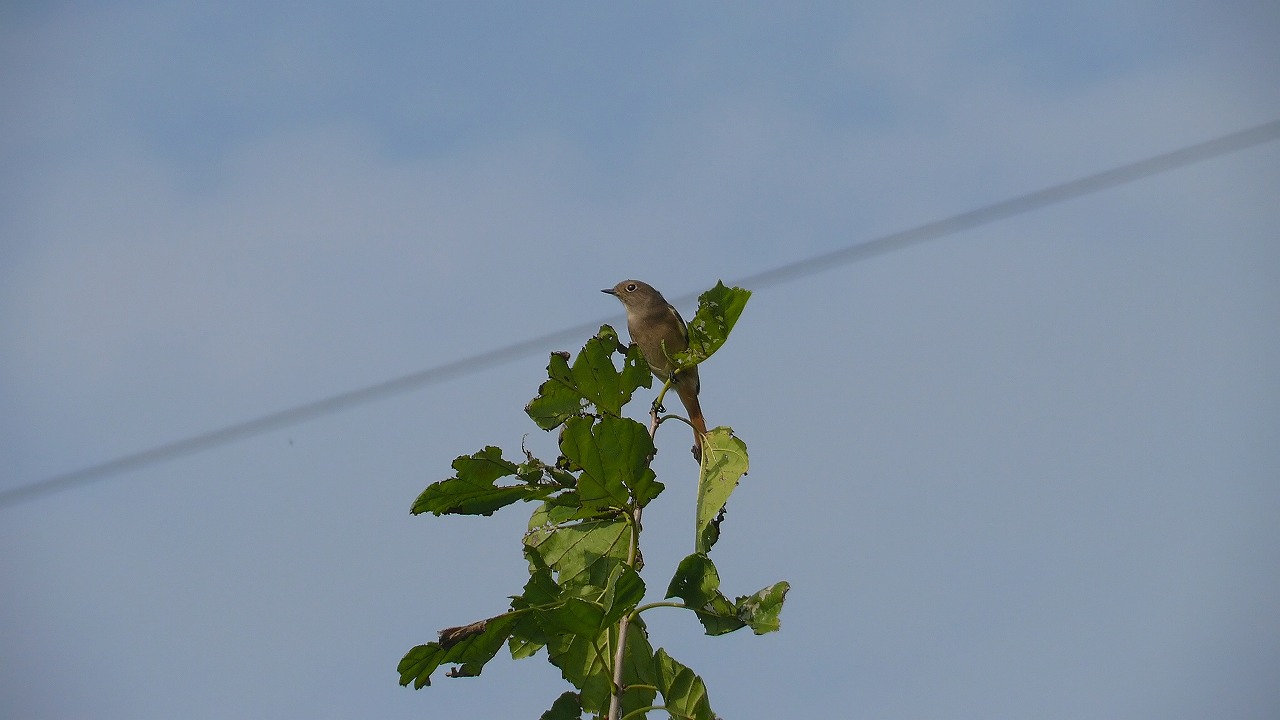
pixel 639 712
pixel 653 412
pixel 665 603
pixel 624 624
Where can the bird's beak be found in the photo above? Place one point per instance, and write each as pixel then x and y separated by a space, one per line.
pixel 611 291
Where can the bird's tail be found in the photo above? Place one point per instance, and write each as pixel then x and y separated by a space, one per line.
pixel 689 396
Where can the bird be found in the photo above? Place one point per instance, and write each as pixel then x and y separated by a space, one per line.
pixel 656 326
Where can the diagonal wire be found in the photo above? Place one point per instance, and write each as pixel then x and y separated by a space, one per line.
pixel 294 415
pixel 893 242
pixel 1019 205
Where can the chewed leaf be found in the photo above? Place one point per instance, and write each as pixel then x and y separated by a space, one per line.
pixel 697 583
pixel 556 400
pixel 472 490
pixel 471 646
pixel 724 462
pixel 592 379
pixel 614 456
pixel 761 610
pixel 718 311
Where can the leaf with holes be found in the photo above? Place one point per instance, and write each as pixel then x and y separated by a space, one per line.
pixel 471 491
pixel 718 311
pixel 593 379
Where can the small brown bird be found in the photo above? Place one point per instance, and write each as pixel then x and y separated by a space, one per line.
pixel 653 324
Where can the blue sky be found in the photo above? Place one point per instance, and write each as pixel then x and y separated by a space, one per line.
pixel 1028 470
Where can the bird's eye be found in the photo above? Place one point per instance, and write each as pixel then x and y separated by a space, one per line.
pixel 631 287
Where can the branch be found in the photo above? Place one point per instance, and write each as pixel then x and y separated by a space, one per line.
pixel 639 712
pixel 665 603
pixel 624 624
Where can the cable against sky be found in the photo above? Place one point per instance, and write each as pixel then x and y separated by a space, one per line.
pixel 893 242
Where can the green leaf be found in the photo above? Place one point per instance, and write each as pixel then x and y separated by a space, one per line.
pixel 472 491
pixel 697 583
pixel 718 311
pixel 724 462
pixel 534 471
pixel 760 611
pixel 623 593
pixel 562 509
pixel 566 707
pixel 521 647
pixel 528 635
pixel 584 661
pixel 638 668
pixel 471 645
pixel 540 590
pixel 592 380
pixel 583 553
pixel 683 693
pixel 614 456
pixel 574 616
pixel 556 401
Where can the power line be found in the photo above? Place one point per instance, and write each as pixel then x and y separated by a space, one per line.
pixel 293 416
pixel 1019 205
pixel 985 215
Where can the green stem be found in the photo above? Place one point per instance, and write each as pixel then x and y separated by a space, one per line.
pixel 665 603
pixel 633 549
pixel 658 402
pixel 681 418
pixel 639 712
pixel 624 624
